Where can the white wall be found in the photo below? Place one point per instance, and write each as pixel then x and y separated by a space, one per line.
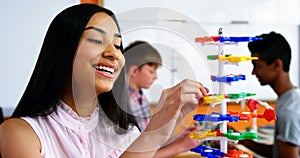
pixel 221 11
pixel 24 23
pixel 172 23
pixel 23 27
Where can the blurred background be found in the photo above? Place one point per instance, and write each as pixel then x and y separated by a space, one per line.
pixel 170 25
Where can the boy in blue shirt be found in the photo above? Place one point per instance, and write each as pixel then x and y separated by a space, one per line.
pixel 272 69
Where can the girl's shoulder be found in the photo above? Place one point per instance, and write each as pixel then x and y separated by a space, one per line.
pixel 17 138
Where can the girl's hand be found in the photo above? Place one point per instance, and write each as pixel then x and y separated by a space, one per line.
pixel 172 106
pixel 176 102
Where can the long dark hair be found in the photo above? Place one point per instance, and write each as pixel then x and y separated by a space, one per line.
pixel 53 69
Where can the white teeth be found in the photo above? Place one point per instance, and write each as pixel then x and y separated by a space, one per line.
pixel 108 69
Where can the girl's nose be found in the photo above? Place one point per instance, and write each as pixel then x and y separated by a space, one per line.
pixel 112 52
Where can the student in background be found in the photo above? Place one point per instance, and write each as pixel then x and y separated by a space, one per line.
pixel 142 62
pixel 75 102
pixel 272 69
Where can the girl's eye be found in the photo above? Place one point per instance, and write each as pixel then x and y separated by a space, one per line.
pixel 96 41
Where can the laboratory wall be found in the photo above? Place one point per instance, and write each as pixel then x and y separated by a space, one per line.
pixel 170 25
pixel 22 30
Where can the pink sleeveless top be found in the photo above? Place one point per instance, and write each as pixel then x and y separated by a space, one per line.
pixel 65 135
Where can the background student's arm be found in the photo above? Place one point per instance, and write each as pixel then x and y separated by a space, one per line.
pixel 286 149
pixel 259 148
pixel 288 133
